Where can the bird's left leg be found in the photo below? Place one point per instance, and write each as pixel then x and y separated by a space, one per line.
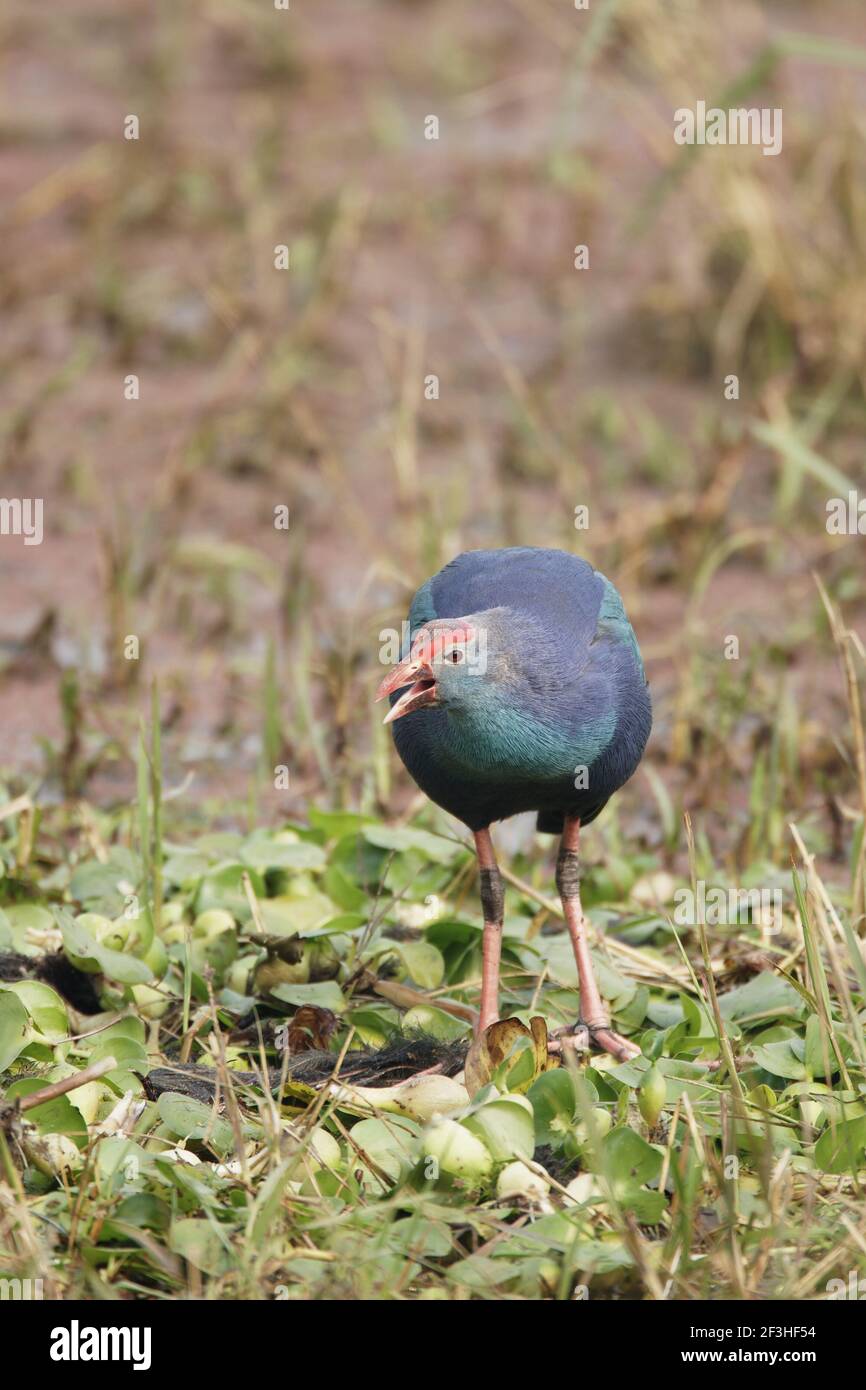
pixel 493 910
pixel 594 1016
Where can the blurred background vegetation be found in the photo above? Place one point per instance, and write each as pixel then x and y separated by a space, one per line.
pixel 409 258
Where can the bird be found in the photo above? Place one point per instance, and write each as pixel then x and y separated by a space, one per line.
pixel 521 688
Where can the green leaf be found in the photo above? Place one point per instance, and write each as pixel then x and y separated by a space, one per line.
pixel 423 962
pixel 554 1103
pixel 402 838
pixel 45 1007
pixel 262 851
pixel 763 994
pixel 336 824
pixel 28 917
pixel 505 1126
pixel 389 1146
pixel 291 915
pixel 58 1116
pixel 326 994
pixel 342 891
pixel 629 1161
pixel 117 965
pixel 104 887
pixel 14 1028
pixel 223 887
pixel 780 1059
pixel 200 1242
pixel 190 1119
pixel 842 1147
pixel 426 1018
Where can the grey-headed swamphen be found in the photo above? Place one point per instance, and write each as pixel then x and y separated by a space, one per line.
pixel 523 690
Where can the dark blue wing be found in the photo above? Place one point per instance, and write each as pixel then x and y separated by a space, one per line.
pixel 560 590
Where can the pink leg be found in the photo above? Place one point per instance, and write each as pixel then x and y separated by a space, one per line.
pixel 492 905
pixel 594 1016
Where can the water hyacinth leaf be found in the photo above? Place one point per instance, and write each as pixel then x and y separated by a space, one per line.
pixel 426 1018
pixel 5 931
pixel 404 838
pixel 129 1027
pixel 46 1009
pixel 761 996
pixel 335 825
pixel 842 1147
pixel 26 920
pixel 128 1052
pixel 326 994
pixel 505 1126
pixel 120 1163
pixel 647 1207
pixel 262 851
pixel 697 1018
pixel 380 1152
pixel 423 961
pixel 224 887
pixel 664 1013
pixel 782 1058
pixel 105 887
pixel 190 1119
pixel 554 1104
pixel 360 863
pixel 341 891
pixel 142 1210
pixel 630 1008
pixel 451 1154
pixel 294 915
pixel 375 1024
pixel 82 947
pixel 58 1116
pixel 344 924
pixel 200 1242
pixel 628 1160
pixel 15 1029
pixel 183 868
pixel 481 1272
pixel 420 1236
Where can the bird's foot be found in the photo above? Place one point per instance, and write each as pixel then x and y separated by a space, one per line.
pixel 584 1036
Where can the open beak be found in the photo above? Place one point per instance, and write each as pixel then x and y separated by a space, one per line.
pixel 418 676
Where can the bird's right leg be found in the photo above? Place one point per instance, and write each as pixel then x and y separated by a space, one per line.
pixel 594 1017
pixel 493 910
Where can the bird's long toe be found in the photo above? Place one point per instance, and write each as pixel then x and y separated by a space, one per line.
pixel 609 1041
pixel 600 1037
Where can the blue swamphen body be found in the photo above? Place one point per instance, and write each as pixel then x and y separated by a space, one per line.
pixel 564 690
pixel 523 690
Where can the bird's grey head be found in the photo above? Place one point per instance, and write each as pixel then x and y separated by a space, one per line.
pixel 457 663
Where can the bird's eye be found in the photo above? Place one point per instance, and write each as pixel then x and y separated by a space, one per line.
pixel 455 655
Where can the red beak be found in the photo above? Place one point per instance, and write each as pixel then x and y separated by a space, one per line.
pixel 415 673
